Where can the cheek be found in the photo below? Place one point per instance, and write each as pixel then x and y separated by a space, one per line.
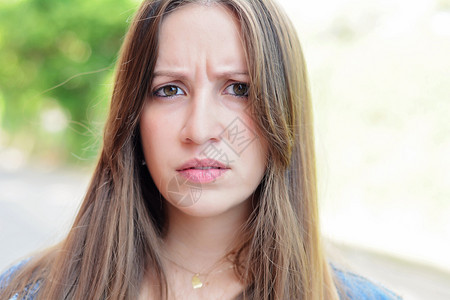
pixel 146 130
pixel 257 151
pixel 258 156
pixel 153 126
pixel 150 135
pixel 158 135
pixel 150 131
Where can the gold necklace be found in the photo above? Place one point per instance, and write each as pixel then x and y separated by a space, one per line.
pixel 195 280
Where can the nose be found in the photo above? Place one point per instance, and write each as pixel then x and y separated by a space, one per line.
pixel 203 120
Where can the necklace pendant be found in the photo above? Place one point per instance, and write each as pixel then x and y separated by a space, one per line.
pixel 196 282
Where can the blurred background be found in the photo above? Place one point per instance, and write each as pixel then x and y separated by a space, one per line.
pixel 380 81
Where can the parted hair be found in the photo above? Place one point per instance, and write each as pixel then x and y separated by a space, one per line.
pixel 116 237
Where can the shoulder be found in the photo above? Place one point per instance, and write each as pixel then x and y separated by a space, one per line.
pixel 357 287
pixel 30 293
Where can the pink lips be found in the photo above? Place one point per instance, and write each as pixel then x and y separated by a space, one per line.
pixel 202 170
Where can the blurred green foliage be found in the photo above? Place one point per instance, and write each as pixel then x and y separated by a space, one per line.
pixel 56 66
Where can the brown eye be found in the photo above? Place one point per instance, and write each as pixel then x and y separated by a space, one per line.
pixel 168 91
pixel 240 89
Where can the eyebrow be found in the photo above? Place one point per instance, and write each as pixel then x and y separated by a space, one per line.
pixel 169 74
pixel 184 75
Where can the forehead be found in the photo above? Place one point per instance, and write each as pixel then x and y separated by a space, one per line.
pixel 196 32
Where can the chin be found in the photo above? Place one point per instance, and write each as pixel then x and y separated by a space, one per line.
pixel 208 206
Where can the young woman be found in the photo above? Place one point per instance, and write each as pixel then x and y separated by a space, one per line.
pixel 205 187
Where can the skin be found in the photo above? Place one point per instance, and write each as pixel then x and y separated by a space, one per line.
pixel 198 92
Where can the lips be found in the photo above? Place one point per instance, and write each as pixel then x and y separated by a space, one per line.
pixel 202 170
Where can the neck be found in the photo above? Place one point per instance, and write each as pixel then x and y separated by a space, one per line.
pixel 200 243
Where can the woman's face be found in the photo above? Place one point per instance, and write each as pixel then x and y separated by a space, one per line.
pixel 200 144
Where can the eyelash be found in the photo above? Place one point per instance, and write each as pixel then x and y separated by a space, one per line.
pixel 158 92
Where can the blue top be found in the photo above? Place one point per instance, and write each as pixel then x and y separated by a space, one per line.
pixel 355 287
pixel 31 293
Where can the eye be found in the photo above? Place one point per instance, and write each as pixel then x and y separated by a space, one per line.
pixel 238 89
pixel 168 91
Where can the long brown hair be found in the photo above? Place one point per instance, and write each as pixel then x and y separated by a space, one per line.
pixel 116 236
